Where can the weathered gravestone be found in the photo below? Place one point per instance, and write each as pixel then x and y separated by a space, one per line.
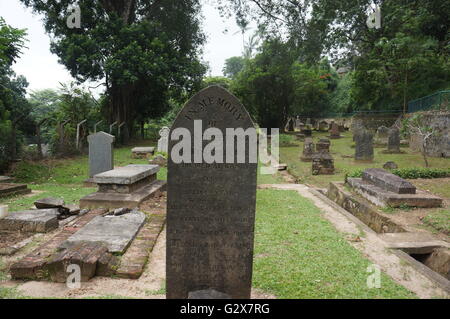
pixel 394 140
pixel 382 133
pixel 298 124
pixel 323 126
pixel 323 145
pixel 308 150
pixel 101 157
pixel 363 145
pixel 210 206
pixel 163 142
pixel 290 125
pixel 334 131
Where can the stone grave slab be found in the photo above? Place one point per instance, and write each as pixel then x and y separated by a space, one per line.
pixel 384 198
pixel 142 152
pixel 115 232
pixel 126 175
pixel 9 189
pixel 388 181
pixel 35 221
pixel 211 206
pixel 413 242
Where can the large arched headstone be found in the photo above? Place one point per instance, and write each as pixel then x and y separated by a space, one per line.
pixel 210 206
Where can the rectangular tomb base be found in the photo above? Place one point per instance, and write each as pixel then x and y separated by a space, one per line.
pixel 8 189
pixel 118 200
pixel 384 198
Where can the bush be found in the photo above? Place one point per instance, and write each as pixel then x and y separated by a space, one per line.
pixel 412 173
pixel 286 140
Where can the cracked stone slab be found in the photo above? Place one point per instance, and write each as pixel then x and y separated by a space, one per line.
pixel 36 221
pixel 126 175
pixel 116 232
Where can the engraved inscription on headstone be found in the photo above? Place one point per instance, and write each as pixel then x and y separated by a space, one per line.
pixel 210 206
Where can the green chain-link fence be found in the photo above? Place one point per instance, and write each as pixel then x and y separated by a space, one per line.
pixel 437 101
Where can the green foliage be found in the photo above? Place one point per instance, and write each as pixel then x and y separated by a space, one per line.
pixel 143 52
pixel 233 66
pixel 412 173
pixel 439 220
pixel 14 108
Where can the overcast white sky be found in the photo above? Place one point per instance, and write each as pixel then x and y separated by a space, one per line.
pixel 41 67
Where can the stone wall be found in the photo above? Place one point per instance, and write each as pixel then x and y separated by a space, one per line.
pixel 438 145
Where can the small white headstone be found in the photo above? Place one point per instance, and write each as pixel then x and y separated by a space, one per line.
pixel 163 142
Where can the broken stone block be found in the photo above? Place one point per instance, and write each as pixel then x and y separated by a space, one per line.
pixel 115 232
pixel 83 254
pixel 107 265
pixel 388 181
pixel 34 221
pixel 49 202
pixel 73 209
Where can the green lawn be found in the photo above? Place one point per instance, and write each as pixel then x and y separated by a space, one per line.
pixel 298 254
pixel 343 165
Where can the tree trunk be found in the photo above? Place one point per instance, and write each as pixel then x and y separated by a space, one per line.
pixel 142 130
pixel 424 153
pixel 13 141
pixel 404 94
pixel 39 142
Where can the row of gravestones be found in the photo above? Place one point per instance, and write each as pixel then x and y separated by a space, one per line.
pixel 297 125
pixel 101 158
pixel 364 140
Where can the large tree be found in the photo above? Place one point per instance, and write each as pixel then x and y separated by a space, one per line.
pixel 142 51
pixel 14 107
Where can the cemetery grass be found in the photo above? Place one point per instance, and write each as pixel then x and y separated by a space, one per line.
pixel 299 254
pixel 342 151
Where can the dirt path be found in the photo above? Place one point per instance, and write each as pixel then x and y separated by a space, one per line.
pixel 371 246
